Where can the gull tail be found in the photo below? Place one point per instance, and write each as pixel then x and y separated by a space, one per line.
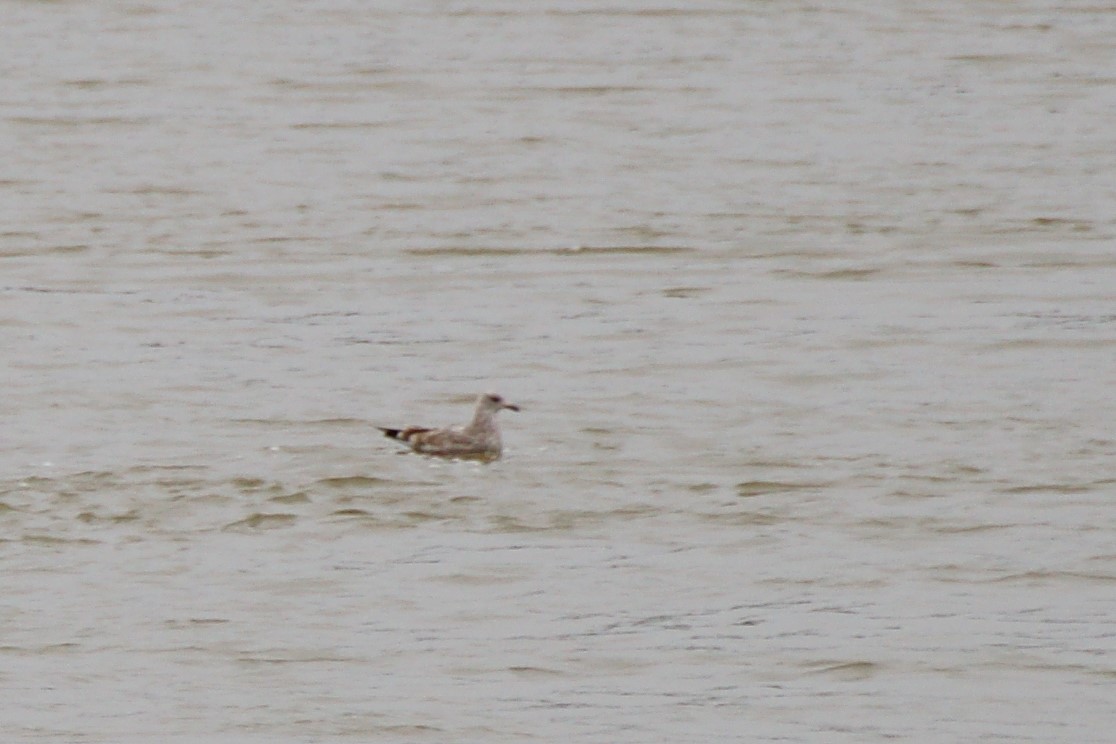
pixel 403 435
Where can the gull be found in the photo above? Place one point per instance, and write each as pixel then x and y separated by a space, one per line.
pixel 479 440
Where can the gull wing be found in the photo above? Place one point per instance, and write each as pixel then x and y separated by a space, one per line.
pixel 449 442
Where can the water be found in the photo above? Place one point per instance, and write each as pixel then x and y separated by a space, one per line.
pixel 809 308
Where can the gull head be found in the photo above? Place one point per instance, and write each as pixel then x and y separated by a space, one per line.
pixel 493 402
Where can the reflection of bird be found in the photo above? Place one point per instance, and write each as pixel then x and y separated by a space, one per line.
pixel 480 440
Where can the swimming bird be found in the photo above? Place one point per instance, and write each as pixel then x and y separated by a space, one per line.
pixel 479 440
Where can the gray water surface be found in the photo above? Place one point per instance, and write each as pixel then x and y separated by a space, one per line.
pixel 810 308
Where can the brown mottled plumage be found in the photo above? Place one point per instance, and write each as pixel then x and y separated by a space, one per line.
pixel 479 440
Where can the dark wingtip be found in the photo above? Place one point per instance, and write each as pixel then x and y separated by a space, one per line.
pixel 390 433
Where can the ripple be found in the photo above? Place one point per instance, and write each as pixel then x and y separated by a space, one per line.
pixel 851 671
pixel 748 489
pixel 260 521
